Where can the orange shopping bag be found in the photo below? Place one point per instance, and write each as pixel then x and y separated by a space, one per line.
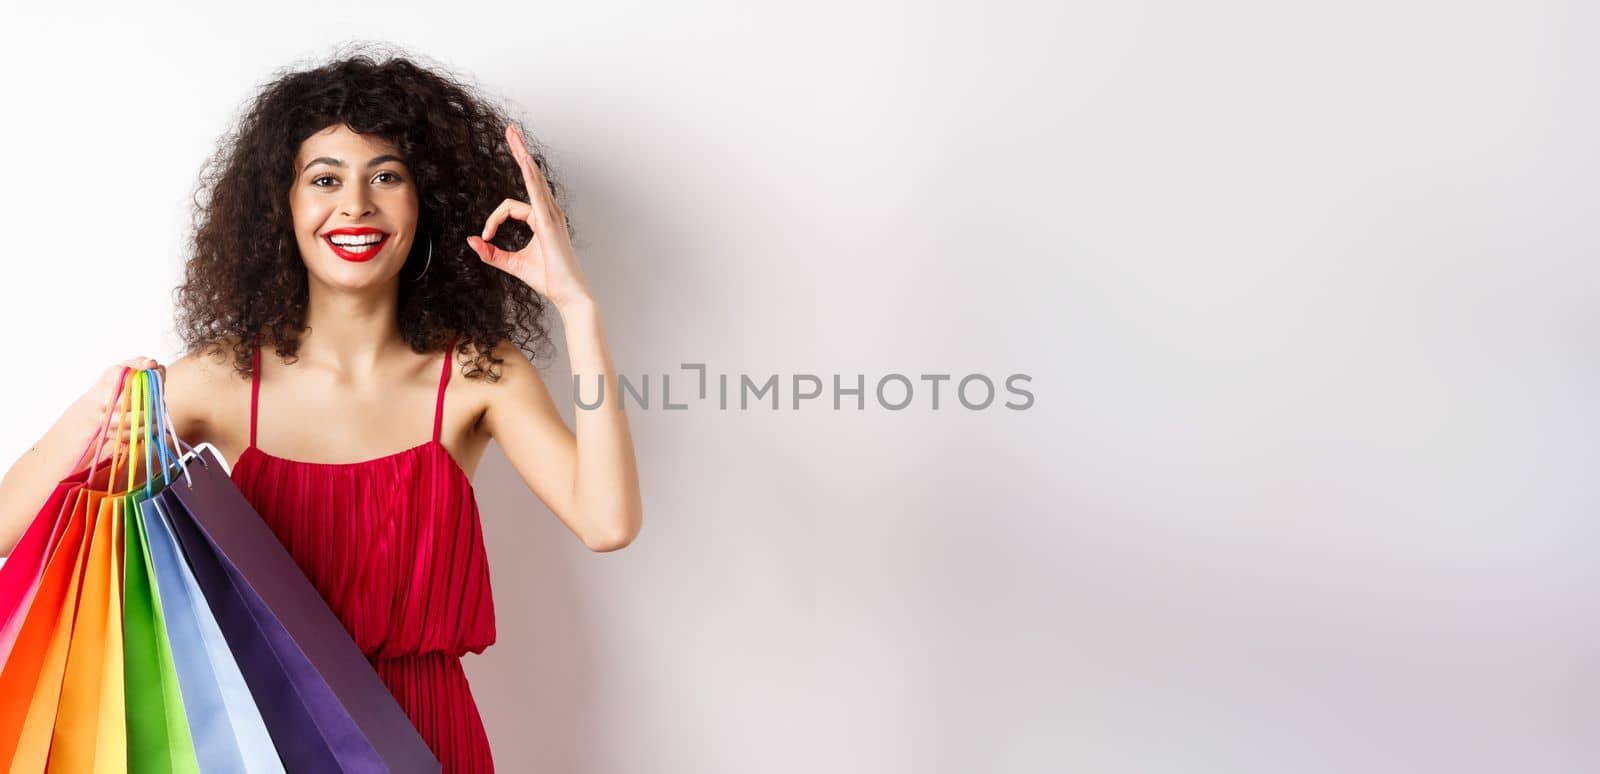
pixel 62 680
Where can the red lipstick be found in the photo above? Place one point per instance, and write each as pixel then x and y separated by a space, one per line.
pixel 356 253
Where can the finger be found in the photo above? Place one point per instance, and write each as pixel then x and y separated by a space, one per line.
pixel 489 253
pixel 127 419
pixel 532 177
pixel 558 217
pixel 508 208
pixel 123 434
pixel 561 215
pixel 492 255
pixel 112 384
pixel 113 373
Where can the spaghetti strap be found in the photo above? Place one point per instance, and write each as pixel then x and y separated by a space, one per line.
pixel 255 389
pixel 444 379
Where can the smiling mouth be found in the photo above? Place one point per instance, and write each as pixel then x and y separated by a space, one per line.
pixel 357 248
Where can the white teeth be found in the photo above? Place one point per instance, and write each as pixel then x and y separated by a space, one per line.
pixel 344 240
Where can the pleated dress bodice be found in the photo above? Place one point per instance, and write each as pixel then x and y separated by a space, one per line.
pixel 394 545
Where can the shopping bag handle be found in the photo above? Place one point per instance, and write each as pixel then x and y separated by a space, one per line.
pixel 123 450
pixel 128 399
pixel 97 442
pixel 141 417
pixel 144 393
pixel 194 456
pixel 164 423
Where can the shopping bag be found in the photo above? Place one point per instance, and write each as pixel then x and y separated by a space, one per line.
pixel 323 703
pixel 158 729
pixel 36 667
pixel 31 678
pixel 90 733
pixel 226 729
pixel 92 724
pixel 157 625
pixel 19 576
pixel 228 732
pixel 22 570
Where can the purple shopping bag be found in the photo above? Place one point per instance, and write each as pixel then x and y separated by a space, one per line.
pixel 324 706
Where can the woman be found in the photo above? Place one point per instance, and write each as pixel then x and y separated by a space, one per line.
pixel 353 252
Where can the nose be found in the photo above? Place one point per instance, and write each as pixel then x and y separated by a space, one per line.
pixel 356 202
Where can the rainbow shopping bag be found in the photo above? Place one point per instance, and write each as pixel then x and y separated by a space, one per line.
pixel 151 622
pixel 62 677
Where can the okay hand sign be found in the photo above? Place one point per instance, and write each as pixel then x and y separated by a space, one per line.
pixel 547 263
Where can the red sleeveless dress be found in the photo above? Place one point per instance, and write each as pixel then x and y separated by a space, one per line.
pixel 395 547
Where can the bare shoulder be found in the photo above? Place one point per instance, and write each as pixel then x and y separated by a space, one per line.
pixel 513 368
pixel 199 387
pixel 518 382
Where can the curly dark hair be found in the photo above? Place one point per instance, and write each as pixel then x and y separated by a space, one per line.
pixel 244 278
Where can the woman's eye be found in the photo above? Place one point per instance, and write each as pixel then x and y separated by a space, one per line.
pixel 379 178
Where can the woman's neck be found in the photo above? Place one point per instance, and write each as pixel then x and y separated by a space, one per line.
pixel 351 332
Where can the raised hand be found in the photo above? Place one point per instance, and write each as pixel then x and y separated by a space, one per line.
pixel 547 263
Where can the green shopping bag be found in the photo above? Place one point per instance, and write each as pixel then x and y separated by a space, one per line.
pixel 158 731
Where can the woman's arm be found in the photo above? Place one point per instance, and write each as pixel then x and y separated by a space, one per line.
pixel 35 474
pixel 590 481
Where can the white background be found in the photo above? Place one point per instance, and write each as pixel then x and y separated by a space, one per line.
pixel 1307 293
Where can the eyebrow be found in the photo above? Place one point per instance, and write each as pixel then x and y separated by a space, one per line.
pixel 333 162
